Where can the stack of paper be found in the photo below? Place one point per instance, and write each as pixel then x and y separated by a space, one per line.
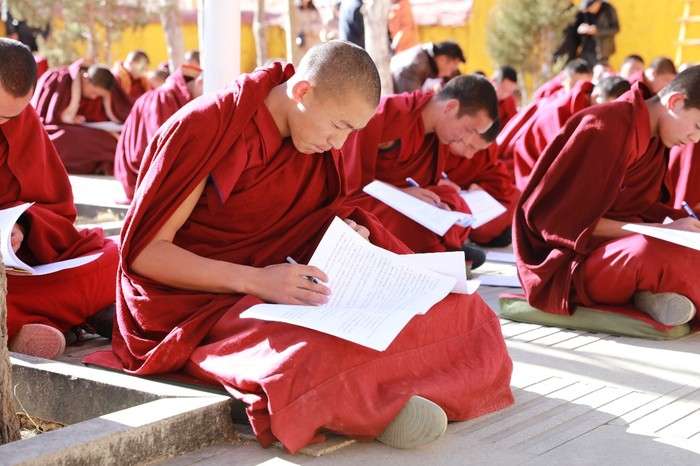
pixel 688 239
pixel 15 266
pixel 109 126
pixel 431 217
pixel 483 206
pixel 375 292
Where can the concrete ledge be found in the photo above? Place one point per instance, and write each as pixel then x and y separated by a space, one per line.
pixel 114 418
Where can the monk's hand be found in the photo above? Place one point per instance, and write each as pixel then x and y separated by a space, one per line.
pixel 79 120
pixel 684 224
pixel 359 229
pixel 450 183
pixel 16 237
pixel 426 195
pixel 290 284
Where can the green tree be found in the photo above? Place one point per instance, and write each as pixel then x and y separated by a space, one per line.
pixel 525 33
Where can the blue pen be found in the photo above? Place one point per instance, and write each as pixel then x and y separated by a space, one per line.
pixel 411 182
pixel 312 279
pixel 444 176
pixel 689 210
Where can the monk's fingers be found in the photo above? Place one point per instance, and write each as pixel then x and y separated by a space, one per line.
pixel 431 195
pixel 362 231
pixel 308 297
pixel 444 206
pixel 311 271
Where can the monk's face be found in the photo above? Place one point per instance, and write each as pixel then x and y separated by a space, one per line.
pixel 137 68
pixel 447 66
pixel 505 88
pixel 318 124
pixel 631 67
pixel 463 131
pixel 470 150
pixel 679 124
pixel 90 91
pixel 659 81
pixel 11 106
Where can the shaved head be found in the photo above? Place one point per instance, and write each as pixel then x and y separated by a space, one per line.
pixel 101 77
pixel 687 83
pixel 17 68
pixel 337 69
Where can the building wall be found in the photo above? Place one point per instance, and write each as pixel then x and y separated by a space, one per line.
pixel 649 27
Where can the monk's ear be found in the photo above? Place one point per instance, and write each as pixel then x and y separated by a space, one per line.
pixel 451 107
pixel 299 90
pixel 675 101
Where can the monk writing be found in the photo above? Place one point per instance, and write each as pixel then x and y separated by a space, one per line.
pixel 41 308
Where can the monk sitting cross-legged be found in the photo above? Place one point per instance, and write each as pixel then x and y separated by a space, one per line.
pixel 67 97
pixel 605 169
pixel 230 186
pixel 150 111
pixel 42 307
pixel 409 137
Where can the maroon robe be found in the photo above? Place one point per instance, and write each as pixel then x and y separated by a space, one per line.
pixel 31 171
pixel 148 113
pixel 414 154
pixel 507 109
pixel 604 164
pixel 684 175
pixel 542 127
pixel 486 170
pixel 82 149
pixel 264 201
pixel 550 88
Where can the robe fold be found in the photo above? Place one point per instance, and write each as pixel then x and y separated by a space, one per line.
pixel 486 170
pixel 82 149
pixel 264 201
pixel 414 154
pixel 507 109
pixel 31 171
pixel 604 164
pixel 542 127
pixel 684 175
pixel 148 113
pixel 549 88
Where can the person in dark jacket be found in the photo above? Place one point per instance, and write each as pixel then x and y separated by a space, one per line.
pixel 597 26
pixel 351 26
pixel 411 68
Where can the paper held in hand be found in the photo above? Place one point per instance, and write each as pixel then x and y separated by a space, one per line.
pixel 13 264
pixel 483 206
pixel 108 126
pixel 431 217
pixel 689 239
pixel 375 292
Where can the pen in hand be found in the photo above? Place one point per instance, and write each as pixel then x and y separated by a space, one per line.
pixel 689 210
pixel 314 280
pixel 412 183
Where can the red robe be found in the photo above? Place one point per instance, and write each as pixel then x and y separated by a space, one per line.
pixel 42 65
pixel 507 109
pixel 684 175
pixel 83 150
pixel 510 131
pixel 417 155
pixel 604 164
pixel 542 127
pixel 491 174
pixel 549 88
pixel 149 112
pixel 31 171
pixel 264 201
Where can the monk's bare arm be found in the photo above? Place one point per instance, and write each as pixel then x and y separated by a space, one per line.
pixel 165 262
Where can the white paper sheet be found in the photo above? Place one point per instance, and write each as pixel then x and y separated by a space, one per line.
pixel 445 263
pixel 109 126
pixel 433 218
pixel 483 206
pixel 498 274
pixel 13 264
pixel 688 239
pixel 374 295
pixel 496 256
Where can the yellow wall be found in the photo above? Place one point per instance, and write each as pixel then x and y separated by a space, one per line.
pixel 649 27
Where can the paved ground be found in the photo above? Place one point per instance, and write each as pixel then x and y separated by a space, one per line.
pixel 582 399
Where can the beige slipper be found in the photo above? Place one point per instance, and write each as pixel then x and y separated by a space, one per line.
pixel 667 308
pixel 418 423
pixel 39 340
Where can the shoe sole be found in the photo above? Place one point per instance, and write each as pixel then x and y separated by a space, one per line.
pixel 418 423
pixel 39 340
pixel 667 308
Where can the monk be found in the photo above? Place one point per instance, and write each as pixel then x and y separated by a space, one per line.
pixel 684 175
pixel 149 112
pixel 576 70
pixel 409 137
pixel 605 169
pixel 42 308
pixel 192 58
pixel 232 184
pixel 67 97
pixel 632 65
pixel 658 75
pixel 506 83
pixel 609 88
pixel 131 74
pixel 552 114
pixel 479 167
